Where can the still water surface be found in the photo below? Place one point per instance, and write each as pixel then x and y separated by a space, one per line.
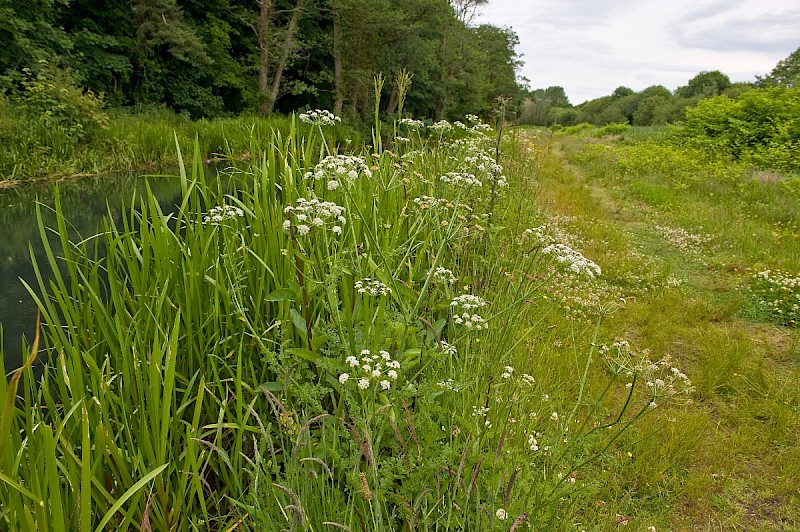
pixel 84 203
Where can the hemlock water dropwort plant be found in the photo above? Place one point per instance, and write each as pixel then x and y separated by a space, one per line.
pixel 336 168
pixel 372 287
pixel 461 179
pixel 222 213
pixel 379 371
pixel 320 117
pixel 307 215
pixel 662 379
pixel 573 260
pixel 462 308
pixel 411 123
pixel 778 293
pixel 443 276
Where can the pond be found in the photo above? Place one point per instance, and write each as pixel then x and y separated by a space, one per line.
pixel 84 203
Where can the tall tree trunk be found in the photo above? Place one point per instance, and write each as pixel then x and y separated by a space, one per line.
pixel 262 32
pixel 285 51
pixel 338 89
pixel 391 105
pixel 353 99
pixel 441 105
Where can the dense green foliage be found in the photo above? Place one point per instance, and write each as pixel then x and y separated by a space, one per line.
pixel 786 73
pixel 210 58
pixel 654 105
pixel 317 337
pixel 69 142
pixel 761 126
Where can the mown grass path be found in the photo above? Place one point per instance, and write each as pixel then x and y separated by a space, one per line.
pixel 730 461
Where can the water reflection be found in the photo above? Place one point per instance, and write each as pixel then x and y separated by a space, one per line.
pixel 84 203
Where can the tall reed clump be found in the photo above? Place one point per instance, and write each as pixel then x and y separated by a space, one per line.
pixel 320 341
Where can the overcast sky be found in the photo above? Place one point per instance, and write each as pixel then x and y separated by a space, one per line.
pixel 590 47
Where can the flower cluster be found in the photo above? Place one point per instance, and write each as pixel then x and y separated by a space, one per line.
pixel 663 380
pixel 337 167
pixel 535 233
pixel 320 117
pixel 508 373
pixel 447 349
pixel 573 260
pixel 468 302
pixel 682 239
pixel 461 179
pixel 373 370
pixel 472 155
pixel 449 385
pixel 478 124
pixel 779 293
pixel 429 202
pixel 305 215
pixel 442 126
pixel 622 360
pixel 372 287
pixel 410 122
pixel 221 213
pixel 481 163
pixel 462 305
pixel 443 276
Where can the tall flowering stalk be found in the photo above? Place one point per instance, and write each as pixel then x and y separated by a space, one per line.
pixel 304 221
pixel 320 118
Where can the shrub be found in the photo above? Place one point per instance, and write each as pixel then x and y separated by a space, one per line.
pixel 761 126
pixel 577 129
pixel 611 129
pixel 53 98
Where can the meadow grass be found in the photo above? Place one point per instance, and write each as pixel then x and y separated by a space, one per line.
pixel 682 238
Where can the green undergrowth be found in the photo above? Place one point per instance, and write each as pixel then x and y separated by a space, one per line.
pixel 397 339
pixel 717 245
pixel 36 145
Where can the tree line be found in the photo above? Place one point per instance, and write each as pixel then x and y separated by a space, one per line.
pixel 655 105
pixel 209 58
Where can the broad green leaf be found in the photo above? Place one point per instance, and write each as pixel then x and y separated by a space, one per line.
pixel 298 321
pixel 306 354
pixel 282 294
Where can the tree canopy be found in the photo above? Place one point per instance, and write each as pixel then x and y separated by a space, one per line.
pixel 786 73
pixel 218 57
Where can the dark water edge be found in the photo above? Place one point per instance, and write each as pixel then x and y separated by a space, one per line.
pixel 85 202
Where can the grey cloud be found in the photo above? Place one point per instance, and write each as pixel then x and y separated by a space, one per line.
pixel 766 33
pixel 711 10
pixel 555 14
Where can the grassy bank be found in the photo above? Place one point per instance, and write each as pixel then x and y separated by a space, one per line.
pixel 417 338
pixel 363 343
pixel 708 229
pixel 37 147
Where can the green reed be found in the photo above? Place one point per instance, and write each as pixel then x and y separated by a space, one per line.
pixel 310 340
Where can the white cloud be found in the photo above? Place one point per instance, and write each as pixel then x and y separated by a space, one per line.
pixel 591 47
